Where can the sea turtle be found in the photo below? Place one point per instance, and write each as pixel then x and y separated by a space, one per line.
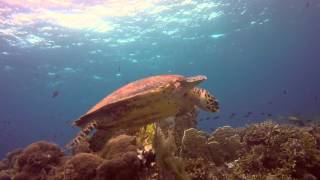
pixel 145 101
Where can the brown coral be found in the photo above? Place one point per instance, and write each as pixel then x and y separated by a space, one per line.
pixel 119 145
pixel 39 156
pixel 10 160
pixel 120 167
pixel 120 152
pixel 82 166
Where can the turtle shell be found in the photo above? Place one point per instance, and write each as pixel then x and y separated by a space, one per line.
pixel 138 90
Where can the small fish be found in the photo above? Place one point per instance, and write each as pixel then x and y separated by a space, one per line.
pixel 55 94
pixel 207 118
pixel 285 92
pixel 269 114
pixel 308 120
pixel 232 115
pixel 307 4
pixel 216 117
pixel 293 118
pixel 262 113
pixel 270 102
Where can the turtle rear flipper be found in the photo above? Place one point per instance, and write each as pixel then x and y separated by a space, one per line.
pixel 82 135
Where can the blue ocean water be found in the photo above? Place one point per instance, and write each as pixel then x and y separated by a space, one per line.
pixel 260 56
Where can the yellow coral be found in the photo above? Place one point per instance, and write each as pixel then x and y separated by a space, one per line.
pixel 167 162
pixel 145 135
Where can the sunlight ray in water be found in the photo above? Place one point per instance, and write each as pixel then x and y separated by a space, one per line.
pixel 99 17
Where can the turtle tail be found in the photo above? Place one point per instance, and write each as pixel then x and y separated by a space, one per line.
pixel 82 135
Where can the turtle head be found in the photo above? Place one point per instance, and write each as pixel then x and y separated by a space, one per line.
pixel 204 100
pixel 192 81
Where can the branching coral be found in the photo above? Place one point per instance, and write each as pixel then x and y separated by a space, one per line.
pixel 279 150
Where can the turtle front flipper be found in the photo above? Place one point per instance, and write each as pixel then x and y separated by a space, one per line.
pixel 82 135
pixel 204 100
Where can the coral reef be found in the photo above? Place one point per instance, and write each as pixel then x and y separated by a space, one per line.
pixel 221 146
pixel 281 151
pixel 259 151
